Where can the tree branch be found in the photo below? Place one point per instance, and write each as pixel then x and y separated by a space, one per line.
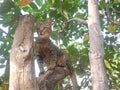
pixel 80 21
pixel 62 10
pixel 5 33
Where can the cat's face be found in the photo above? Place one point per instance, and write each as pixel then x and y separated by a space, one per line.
pixel 44 31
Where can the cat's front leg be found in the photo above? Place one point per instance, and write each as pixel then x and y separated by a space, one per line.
pixel 40 65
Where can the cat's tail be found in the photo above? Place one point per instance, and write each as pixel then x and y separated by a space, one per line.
pixel 74 81
pixel 72 75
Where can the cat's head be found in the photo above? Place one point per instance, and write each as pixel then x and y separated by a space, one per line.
pixel 44 30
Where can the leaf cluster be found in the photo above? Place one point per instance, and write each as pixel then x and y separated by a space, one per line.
pixel 73 38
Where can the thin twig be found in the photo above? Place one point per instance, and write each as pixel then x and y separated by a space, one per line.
pixel 62 10
pixel 5 33
pixel 80 21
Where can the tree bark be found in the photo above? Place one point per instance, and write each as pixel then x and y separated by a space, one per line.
pixel 51 78
pixel 96 52
pixel 22 75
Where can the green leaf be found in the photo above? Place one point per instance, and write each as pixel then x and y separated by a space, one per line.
pixel 112 28
pixel 6 19
pixel 39 2
pixel 116 1
pixel 56 87
pixel 79 15
pixel 6 6
pixel 102 4
pixel 33 6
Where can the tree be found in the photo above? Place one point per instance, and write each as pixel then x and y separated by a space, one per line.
pixel 22 74
pixel 68 33
pixel 96 52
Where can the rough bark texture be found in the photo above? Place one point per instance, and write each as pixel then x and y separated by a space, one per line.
pixel 22 75
pixel 96 53
pixel 48 80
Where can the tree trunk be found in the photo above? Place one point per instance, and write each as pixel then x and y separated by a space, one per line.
pixel 96 53
pixel 22 75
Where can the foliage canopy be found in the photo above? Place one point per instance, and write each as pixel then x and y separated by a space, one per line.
pixel 73 37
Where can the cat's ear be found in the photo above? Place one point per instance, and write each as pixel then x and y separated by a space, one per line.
pixel 48 23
